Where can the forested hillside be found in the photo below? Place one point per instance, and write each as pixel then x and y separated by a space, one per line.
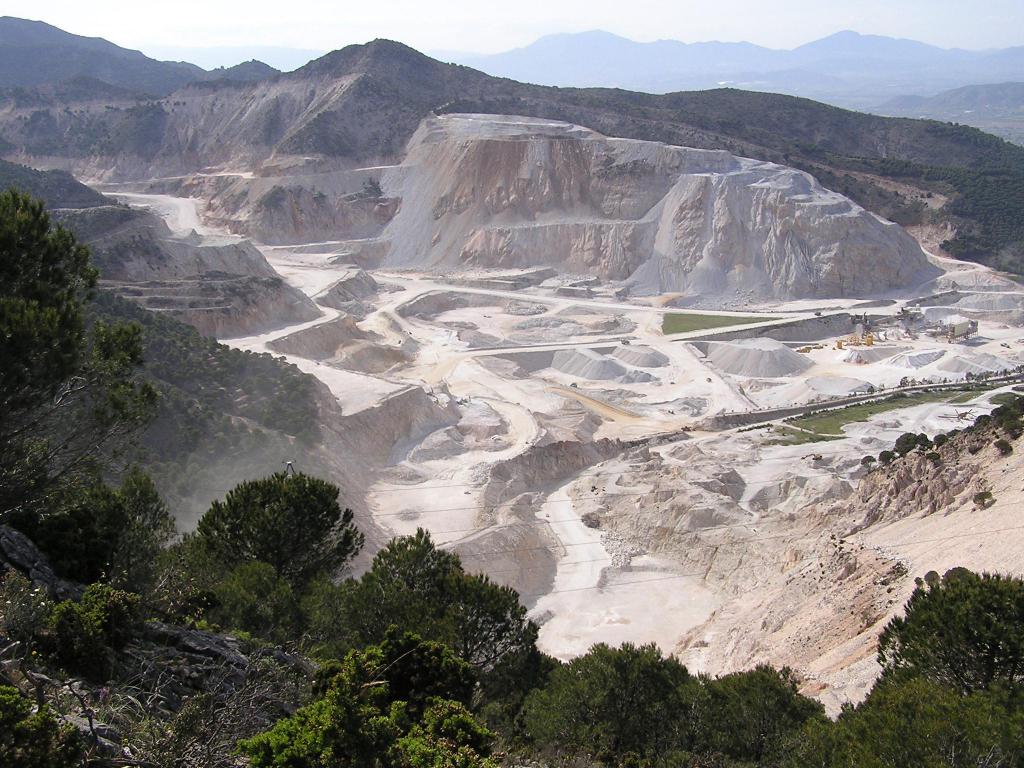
pixel 58 189
pixel 221 412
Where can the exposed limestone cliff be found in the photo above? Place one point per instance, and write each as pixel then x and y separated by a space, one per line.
pixel 488 191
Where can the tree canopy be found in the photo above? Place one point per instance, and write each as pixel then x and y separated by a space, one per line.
pixel 914 723
pixel 102 532
pixel 292 522
pixel 416 587
pixel 964 630
pixel 33 739
pixel 611 702
pixel 69 395
pixel 634 704
pixel 47 278
pixel 400 704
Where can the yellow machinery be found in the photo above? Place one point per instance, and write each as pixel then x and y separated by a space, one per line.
pixel 856 340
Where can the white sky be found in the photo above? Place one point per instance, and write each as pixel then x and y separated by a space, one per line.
pixel 482 26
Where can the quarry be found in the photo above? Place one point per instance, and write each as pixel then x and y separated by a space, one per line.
pixel 635 382
pixel 366 406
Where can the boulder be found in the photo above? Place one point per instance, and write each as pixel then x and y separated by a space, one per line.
pixel 19 553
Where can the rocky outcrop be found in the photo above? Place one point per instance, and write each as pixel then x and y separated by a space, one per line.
pixel 342 344
pixel 917 485
pixel 349 292
pixel 354 285
pixel 19 553
pixel 399 422
pixel 236 688
pixel 505 192
pixel 224 306
pixel 541 466
pixel 323 341
pixel 179 662
pixel 296 206
pixel 224 288
pixel 133 245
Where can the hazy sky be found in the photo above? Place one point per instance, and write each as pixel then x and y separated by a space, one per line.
pixel 481 26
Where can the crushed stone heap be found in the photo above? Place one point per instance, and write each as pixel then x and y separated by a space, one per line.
pixel 587 364
pixel 756 358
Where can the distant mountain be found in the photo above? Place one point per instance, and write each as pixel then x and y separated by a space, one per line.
pixel 851 45
pixel 1001 98
pixel 280 57
pixel 847 68
pixel 997 108
pixel 33 53
pixel 246 72
pixel 599 58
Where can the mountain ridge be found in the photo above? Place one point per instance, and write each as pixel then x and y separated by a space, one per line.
pixel 34 53
pixel 994 107
pixel 846 68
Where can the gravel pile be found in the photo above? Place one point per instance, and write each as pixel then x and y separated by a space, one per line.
pixel 757 358
pixel 587 364
pixel 641 357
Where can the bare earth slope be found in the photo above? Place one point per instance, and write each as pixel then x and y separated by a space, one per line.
pixel 222 287
pixel 506 192
pixel 835 591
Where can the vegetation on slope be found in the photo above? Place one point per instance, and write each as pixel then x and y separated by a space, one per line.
pixel 58 189
pixel 69 394
pixel 215 403
pixel 212 411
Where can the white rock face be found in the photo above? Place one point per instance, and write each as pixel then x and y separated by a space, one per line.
pixel 500 192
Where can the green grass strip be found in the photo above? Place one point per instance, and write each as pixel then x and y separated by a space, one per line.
pixel 684 323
